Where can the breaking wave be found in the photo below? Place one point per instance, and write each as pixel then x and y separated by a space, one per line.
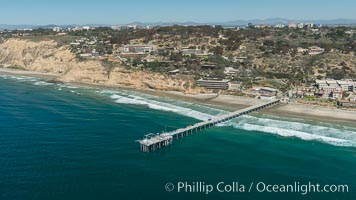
pixel 334 135
pixel 20 78
pixel 330 135
pixel 340 136
pixel 157 105
pixel 43 83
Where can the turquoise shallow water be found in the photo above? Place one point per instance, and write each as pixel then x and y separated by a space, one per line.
pixel 63 142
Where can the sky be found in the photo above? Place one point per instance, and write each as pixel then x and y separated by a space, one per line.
pixel 42 12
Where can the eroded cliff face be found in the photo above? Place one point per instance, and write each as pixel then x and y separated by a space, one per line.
pixel 47 57
pixel 43 56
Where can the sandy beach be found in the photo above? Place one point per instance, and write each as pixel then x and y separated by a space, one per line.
pixel 226 102
pixel 315 113
pixel 46 76
pixel 295 110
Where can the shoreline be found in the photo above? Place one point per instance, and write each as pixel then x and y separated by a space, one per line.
pixel 46 76
pixel 224 102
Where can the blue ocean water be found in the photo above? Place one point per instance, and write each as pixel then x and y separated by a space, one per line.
pixel 60 141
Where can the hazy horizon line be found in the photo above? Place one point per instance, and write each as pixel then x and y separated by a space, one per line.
pixel 186 21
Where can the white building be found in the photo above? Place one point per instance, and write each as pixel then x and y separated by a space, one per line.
pixel 347 85
pixel 87 28
pixel 116 27
pixel 320 84
pixel 189 52
pixel 214 84
pixel 138 49
pixel 57 29
pixel 260 26
pixel 302 50
pixel 132 26
pixel 300 25
pixel 235 86
pixel 279 26
pixel 350 32
pixel 292 25
pixel 334 88
pixel 231 71
pixel 77 28
pixel 337 94
pixel 315 50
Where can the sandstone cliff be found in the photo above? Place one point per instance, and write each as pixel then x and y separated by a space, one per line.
pixel 48 57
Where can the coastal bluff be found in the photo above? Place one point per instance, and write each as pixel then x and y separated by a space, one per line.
pixel 46 56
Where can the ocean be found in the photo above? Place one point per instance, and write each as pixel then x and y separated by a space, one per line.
pixel 60 141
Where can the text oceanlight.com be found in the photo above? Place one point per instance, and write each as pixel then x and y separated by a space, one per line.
pixel 261 187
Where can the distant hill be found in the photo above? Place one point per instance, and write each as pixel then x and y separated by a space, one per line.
pixel 270 21
pixel 274 21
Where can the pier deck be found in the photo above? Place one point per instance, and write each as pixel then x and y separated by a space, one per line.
pixel 155 141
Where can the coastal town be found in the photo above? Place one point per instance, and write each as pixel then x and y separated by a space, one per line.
pixel 303 62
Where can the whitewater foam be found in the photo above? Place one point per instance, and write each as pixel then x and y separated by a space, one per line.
pixel 67 86
pixel 42 83
pixel 136 100
pixel 276 125
pixel 20 78
pixel 303 131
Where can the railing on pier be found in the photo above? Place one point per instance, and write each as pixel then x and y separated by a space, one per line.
pixel 155 141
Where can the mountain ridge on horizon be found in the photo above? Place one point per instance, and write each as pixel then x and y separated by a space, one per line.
pixel 240 22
